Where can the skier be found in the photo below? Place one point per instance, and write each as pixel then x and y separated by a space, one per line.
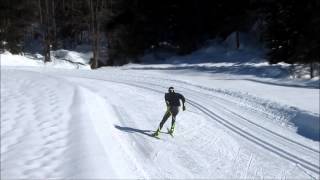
pixel 173 103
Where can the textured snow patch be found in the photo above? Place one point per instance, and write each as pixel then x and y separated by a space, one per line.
pixel 60 59
pixel 58 130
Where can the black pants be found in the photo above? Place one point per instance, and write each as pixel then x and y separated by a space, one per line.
pixel 174 110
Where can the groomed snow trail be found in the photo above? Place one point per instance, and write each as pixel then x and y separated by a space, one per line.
pixel 49 130
pixel 98 124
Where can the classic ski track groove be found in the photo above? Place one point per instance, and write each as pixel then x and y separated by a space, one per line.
pixel 255 124
pixel 310 166
pixel 246 122
pixel 278 151
pixel 282 153
pixel 142 78
pixel 213 96
pixel 314 151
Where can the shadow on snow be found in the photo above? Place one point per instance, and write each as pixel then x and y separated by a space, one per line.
pixel 133 130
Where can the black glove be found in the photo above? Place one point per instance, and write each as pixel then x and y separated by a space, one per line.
pixel 183 108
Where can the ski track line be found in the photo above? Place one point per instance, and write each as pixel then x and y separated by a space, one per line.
pixel 196 170
pixel 304 163
pixel 277 137
pixel 233 94
pixel 225 100
pixel 251 122
pixel 145 151
pixel 253 125
pixel 212 90
pixel 282 153
pixel 310 166
pixel 131 141
pixel 285 152
pixel 144 148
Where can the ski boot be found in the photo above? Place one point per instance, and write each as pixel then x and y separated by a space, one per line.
pixel 171 130
pixel 156 134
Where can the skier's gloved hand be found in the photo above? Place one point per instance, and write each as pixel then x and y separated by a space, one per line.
pixel 183 108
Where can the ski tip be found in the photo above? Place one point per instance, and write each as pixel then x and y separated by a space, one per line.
pixel 153 135
pixel 171 134
pixel 157 137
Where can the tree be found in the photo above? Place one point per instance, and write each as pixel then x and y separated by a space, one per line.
pixel 308 42
pixel 46 23
pixel 15 19
pixel 293 32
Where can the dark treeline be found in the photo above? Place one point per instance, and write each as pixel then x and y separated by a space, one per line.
pixel 128 28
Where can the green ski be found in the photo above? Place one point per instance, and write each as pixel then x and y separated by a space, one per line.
pixel 170 132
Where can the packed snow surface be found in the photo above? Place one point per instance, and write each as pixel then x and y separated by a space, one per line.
pixel 62 123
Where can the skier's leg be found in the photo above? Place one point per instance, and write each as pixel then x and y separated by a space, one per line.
pixel 164 119
pixel 174 111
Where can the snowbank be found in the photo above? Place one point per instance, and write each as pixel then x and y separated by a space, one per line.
pixel 60 59
pixel 8 59
pixel 261 69
pixel 73 56
pixel 222 57
pixel 214 51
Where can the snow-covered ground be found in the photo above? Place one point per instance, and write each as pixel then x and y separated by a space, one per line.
pixel 60 59
pixel 63 123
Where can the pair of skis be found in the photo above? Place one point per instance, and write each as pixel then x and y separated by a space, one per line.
pixel 169 132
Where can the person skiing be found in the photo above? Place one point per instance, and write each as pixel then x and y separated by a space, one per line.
pixel 172 100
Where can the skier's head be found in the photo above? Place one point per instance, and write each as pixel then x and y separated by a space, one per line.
pixel 171 90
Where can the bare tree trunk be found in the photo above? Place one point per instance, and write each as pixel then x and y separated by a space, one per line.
pixel 40 12
pixel 54 38
pixel 43 26
pixel 94 33
pixel 238 39
pixel 311 70
pixel 72 24
pixel 47 57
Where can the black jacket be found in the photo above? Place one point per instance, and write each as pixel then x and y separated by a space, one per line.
pixel 173 99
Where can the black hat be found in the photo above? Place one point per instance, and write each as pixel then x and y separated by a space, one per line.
pixel 171 89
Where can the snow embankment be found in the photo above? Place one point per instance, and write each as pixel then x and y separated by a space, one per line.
pixel 222 57
pixel 60 59
pixel 58 130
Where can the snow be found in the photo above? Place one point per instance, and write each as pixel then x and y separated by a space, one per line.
pixel 72 56
pixel 8 59
pixel 65 121
pixel 60 59
pixel 301 94
pixel 216 51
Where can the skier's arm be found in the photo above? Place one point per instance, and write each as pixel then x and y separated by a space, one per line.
pixel 183 101
pixel 166 99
